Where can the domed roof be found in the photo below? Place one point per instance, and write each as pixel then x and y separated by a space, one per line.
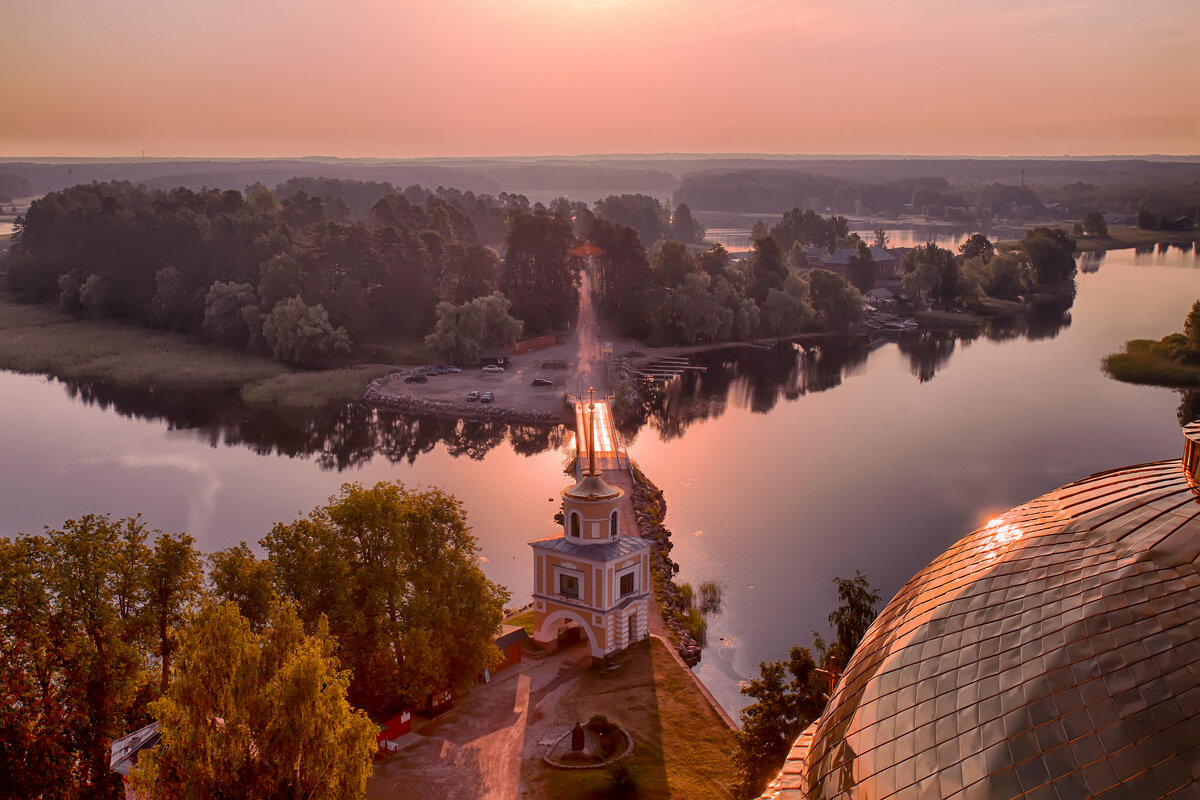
pixel 592 487
pixel 1053 652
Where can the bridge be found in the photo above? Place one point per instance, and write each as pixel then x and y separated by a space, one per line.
pixel 610 455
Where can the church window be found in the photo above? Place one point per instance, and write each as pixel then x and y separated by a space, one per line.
pixel 612 526
pixel 568 586
pixel 575 525
pixel 626 584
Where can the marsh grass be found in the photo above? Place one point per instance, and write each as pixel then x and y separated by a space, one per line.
pixel 312 389
pixel 42 339
pixel 1144 362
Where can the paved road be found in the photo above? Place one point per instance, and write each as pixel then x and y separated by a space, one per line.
pixel 475 750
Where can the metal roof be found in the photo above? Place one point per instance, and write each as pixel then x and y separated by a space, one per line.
pixel 1053 652
pixel 614 548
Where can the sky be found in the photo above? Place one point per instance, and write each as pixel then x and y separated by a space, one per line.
pixel 423 78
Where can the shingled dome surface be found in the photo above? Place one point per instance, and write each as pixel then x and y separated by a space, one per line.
pixel 1052 653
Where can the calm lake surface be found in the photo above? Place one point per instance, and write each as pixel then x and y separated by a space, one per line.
pixel 782 469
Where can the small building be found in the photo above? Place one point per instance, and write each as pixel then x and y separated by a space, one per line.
pixel 123 755
pixel 530 345
pixel 591 580
pixel 393 729
pixel 500 358
pixel 840 263
pixel 510 642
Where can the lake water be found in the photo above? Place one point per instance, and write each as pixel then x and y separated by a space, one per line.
pixel 782 469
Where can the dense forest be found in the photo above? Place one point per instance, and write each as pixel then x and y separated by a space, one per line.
pixel 316 270
pixel 308 278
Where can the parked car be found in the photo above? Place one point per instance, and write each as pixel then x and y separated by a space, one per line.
pixel 486 397
pixel 493 368
pixel 416 377
pixel 450 368
pixel 438 370
pixel 472 397
pixel 542 382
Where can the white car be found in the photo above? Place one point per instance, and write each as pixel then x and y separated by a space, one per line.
pixel 493 368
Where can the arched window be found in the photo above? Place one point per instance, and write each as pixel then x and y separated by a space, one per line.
pixel 612 526
pixel 575 524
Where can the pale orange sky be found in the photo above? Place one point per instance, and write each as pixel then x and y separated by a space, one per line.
pixel 407 78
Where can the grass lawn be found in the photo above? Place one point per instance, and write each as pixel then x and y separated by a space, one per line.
pixel 1140 363
pixel 524 620
pixel 682 749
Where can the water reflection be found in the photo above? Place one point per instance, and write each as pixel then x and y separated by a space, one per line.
pixel 758 377
pixel 339 438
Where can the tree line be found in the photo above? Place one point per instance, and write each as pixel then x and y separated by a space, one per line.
pixel 259 671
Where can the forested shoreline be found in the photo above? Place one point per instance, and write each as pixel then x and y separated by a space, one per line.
pixel 317 272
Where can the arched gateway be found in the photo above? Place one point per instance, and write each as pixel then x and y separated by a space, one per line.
pixel 591 575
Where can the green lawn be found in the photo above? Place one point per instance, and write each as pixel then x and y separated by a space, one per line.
pixel 682 748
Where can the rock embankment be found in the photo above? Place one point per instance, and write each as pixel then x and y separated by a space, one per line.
pixel 377 394
pixel 650 509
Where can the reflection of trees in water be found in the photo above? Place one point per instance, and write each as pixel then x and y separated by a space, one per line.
pixel 929 351
pixel 753 378
pixel 338 438
pixel 759 378
pixel 1189 406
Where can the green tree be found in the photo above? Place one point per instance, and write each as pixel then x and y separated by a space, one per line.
pixel 790 695
pixel 863 269
pixel 684 226
pixel 671 263
pixel 224 321
pixel 75 651
pixel 977 246
pixel 1052 254
pixel 464 331
pixel 1094 225
pixel 539 276
pixel 759 230
pixel 37 758
pixel 836 303
pixel 1191 326
pixel 766 268
pixel 468 271
pixel 881 238
pixel 300 334
pixel 857 608
pixel 173 586
pixel 256 714
pixel 236 575
pixel 396 572
pixel 174 306
pixel 278 279
pixel 715 260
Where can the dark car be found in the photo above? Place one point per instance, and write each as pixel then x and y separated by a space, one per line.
pixel 416 378
pixel 542 382
pixel 486 397
pixel 472 397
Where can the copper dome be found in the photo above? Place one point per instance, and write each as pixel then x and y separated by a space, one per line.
pixel 1052 653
